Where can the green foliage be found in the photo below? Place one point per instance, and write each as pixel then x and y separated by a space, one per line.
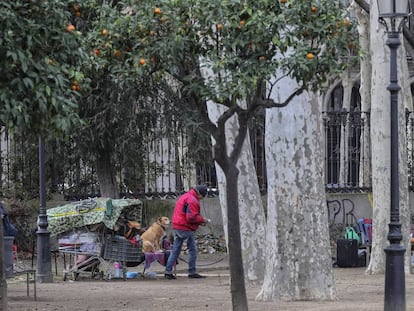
pixel 135 71
pixel 38 58
pixel 236 43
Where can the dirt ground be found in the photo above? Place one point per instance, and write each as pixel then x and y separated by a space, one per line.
pixel 355 291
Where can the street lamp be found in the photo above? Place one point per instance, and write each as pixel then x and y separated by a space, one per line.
pixel 393 14
pixel 44 264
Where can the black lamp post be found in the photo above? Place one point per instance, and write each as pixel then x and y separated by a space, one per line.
pixel 44 263
pixel 393 14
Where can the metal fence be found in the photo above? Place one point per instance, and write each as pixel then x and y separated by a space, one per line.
pixel 347 163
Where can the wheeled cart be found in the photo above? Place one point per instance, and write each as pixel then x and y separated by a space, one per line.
pixel 85 262
pixel 119 249
pixel 91 233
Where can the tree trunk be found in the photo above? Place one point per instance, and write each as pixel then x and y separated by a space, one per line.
pixel 237 287
pixel 380 137
pixel 252 217
pixel 365 93
pixel 3 282
pixel 344 137
pixel 298 258
pixel 105 171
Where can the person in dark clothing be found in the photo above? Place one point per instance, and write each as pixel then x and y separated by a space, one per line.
pixel 185 221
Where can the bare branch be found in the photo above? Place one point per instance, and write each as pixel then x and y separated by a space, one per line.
pixel 363 4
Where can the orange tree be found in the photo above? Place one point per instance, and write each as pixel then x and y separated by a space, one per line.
pixel 122 106
pixel 238 46
pixel 226 52
pixel 39 81
pixel 39 50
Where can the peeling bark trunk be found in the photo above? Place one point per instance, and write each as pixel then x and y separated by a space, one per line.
pixel 380 136
pixel 252 217
pixel 365 93
pixel 298 257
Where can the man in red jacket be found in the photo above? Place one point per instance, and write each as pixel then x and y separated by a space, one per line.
pixel 185 221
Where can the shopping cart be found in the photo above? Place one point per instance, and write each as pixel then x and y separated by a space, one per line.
pixel 119 249
pixel 86 261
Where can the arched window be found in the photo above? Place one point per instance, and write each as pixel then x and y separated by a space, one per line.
pixel 344 127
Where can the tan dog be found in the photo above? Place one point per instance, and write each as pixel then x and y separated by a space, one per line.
pixel 152 237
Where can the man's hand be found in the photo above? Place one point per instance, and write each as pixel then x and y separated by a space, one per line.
pixel 205 222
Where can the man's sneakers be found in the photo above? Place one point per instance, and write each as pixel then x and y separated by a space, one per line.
pixel 196 276
pixel 169 276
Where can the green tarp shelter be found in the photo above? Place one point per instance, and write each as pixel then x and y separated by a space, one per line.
pixel 92 211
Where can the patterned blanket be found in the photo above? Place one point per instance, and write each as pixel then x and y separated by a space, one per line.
pixel 92 211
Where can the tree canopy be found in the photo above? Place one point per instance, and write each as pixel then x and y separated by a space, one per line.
pixel 39 53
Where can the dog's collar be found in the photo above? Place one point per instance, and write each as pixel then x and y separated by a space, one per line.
pixel 161 226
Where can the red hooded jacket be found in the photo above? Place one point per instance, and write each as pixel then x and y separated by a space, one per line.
pixel 186 214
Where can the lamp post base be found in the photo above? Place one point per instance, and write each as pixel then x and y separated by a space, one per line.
pixel 394 293
pixel 44 260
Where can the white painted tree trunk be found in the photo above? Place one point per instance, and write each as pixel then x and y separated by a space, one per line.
pixel 380 136
pixel 252 217
pixel 298 257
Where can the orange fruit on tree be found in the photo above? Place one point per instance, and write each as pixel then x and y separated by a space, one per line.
pixel 75 86
pixel 347 22
pixel 262 58
pixel 117 54
pixel 70 28
pixel 283 1
pixel 105 32
pixel 351 44
pixel 157 11
pixel 242 22
pixel 142 61
pixel 78 13
pixel 97 52
pixel 219 27
pixel 314 9
pixel 310 56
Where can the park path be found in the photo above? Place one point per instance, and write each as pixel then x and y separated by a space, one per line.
pixel 355 290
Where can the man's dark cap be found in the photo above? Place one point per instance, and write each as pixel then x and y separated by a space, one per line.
pixel 201 190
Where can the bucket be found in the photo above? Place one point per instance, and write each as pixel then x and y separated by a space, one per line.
pixel 8 254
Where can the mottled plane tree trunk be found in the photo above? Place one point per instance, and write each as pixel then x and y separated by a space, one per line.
pixel 380 141
pixel 298 257
pixel 365 93
pixel 252 217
